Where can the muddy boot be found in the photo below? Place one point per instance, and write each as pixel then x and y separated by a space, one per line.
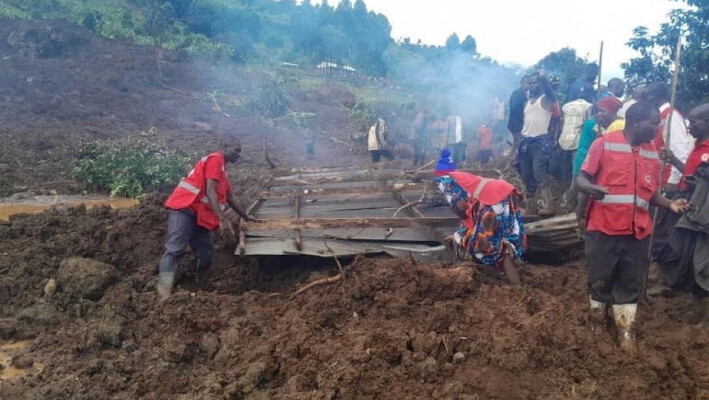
pixel 165 282
pixel 202 277
pixel 624 315
pixel 531 206
pixel 548 199
pixel 598 317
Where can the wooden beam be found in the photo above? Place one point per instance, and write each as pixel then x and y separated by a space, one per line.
pixel 401 198
pixel 436 233
pixel 397 187
pixel 358 176
pixel 241 247
pixel 253 206
pixel 328 223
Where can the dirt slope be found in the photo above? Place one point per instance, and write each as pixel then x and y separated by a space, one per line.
pixel 60 85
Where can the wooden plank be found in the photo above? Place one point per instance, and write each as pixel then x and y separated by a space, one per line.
pixel 352 188
pixel 426 174
pixel 533 230
pixel 241 247
pixel 560 220
pixel 322 223
pixel 330 248
pixel 350 206
pixel 264 247
pixel 253 206
pixel 354 234
pixel 436 233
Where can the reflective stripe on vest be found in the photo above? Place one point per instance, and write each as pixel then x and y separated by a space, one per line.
pixel 649 154
pixel 624 199
pixel 189 187
pixel 626 148
pixel 480 187
pixel 618 147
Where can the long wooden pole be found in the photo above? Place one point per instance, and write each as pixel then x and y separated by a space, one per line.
pixel 667 138
pixel 600 66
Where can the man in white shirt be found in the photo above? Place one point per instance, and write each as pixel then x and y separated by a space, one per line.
pixel 575 115
pixel 680 143
pixel 637 96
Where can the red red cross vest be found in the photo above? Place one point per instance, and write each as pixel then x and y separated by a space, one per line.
pixel 631 176
pixel 193 190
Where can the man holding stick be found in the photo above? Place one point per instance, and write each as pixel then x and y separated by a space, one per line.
pixel 621 176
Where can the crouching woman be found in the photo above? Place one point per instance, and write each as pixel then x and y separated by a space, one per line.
pixel 491 230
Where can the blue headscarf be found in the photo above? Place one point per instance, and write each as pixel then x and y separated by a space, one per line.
pixel 445 164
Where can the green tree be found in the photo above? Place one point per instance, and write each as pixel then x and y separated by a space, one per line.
pixel 656 53
pixel 564 64
pixel 360 7
pixel 453 42
pixel 469 45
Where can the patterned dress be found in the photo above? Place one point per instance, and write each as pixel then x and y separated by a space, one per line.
pixel 493 226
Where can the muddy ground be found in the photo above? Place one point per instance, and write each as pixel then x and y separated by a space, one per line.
pixel 79 284
pixel 389 330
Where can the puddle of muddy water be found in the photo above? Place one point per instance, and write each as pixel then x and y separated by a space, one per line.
pixel 40 203
pixel 7 351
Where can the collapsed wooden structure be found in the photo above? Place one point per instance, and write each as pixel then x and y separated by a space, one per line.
pixel 350 211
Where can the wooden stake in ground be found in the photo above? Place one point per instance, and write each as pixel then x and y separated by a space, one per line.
pixel 673 96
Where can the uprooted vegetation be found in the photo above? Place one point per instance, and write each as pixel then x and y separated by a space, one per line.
pixel 132 166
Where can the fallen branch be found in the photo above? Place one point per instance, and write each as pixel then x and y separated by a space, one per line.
pixel 326 281
pixel 319 282
pixel 417 170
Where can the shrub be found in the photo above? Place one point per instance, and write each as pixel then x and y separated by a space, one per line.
pixel 129 168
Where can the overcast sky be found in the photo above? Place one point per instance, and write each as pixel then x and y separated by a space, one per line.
pixel 522 32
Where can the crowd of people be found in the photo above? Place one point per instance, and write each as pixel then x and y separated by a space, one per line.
pixel 429 132
pixel 627 163
pixel 637 172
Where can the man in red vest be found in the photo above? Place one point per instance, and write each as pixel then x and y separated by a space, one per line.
pixel 621 173
pixel 196 207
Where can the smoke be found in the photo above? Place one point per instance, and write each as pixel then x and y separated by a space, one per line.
pixel 452 82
